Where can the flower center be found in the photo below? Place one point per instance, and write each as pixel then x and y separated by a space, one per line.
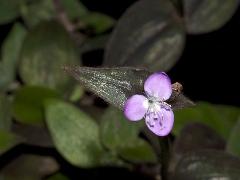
pixel 155 111
pixel 154 106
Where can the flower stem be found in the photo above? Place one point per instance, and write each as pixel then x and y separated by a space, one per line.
pixel 164 156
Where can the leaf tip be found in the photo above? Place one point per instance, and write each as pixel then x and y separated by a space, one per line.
pixel 69 69
pixel 66 68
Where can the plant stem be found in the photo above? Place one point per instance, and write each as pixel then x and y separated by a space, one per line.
pixel 164 156
pixel 62 16
pixel 66 22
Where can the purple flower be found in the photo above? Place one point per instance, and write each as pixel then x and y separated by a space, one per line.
pixel 158 114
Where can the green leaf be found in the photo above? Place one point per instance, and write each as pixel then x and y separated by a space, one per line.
pixel 46 48
pixel 5 112
pixel 9 10
pixel 121 136
pixel 58 176
pixel 28 105
pixel 138 151
pixel 233 145
pixel 37 11
pixel 116 131
pixel 29 167
pixel 98 42
pixel 115 85
pixel 221 118
pixel 150 34
pixel 87 105
pixel 10 55
pixel 33 135
pixel 75 134
pixel 98 22
pixel 194 137
pixel 110 158
pixel 8 141
pixel 74 9
pixel 207 164
pixel 77 93
pixel 178 5
pixel 206 16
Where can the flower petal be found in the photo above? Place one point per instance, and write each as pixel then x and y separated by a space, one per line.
pixel 136 107
pixel 160 123
pixel 158 85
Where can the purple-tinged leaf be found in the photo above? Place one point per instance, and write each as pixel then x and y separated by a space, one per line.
pixel 205 16
pixel 207 164
pixel 150 34
pixel 29 167
pixel 116 85
pixel 194 137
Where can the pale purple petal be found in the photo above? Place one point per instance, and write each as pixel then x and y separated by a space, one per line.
pixel 158 85
pixel 136 107
pixel 160 123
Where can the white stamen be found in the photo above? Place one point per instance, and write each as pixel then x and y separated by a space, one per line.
pixel 146 104
pixel 154 105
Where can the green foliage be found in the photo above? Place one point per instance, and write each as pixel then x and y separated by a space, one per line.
pixel 46 48
pixel 10 54
pixel 98 22
pixel 7 141
pixel 219 117
pixel 58 176
pixel 29 167
pixel 74 9
pixel 37 11
pixel 95 21
pixel 115 128
pixel 178 5
pixel 74 133
pixel 9 10
pixel 42 10
pixel 138 151
pixel 77 93
pixel 32 134
pixel 5 112
pixel 34 89
pixel 98 42
pixel 28 105
pixel 233 145
pixel 194 137
pixel 121 136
